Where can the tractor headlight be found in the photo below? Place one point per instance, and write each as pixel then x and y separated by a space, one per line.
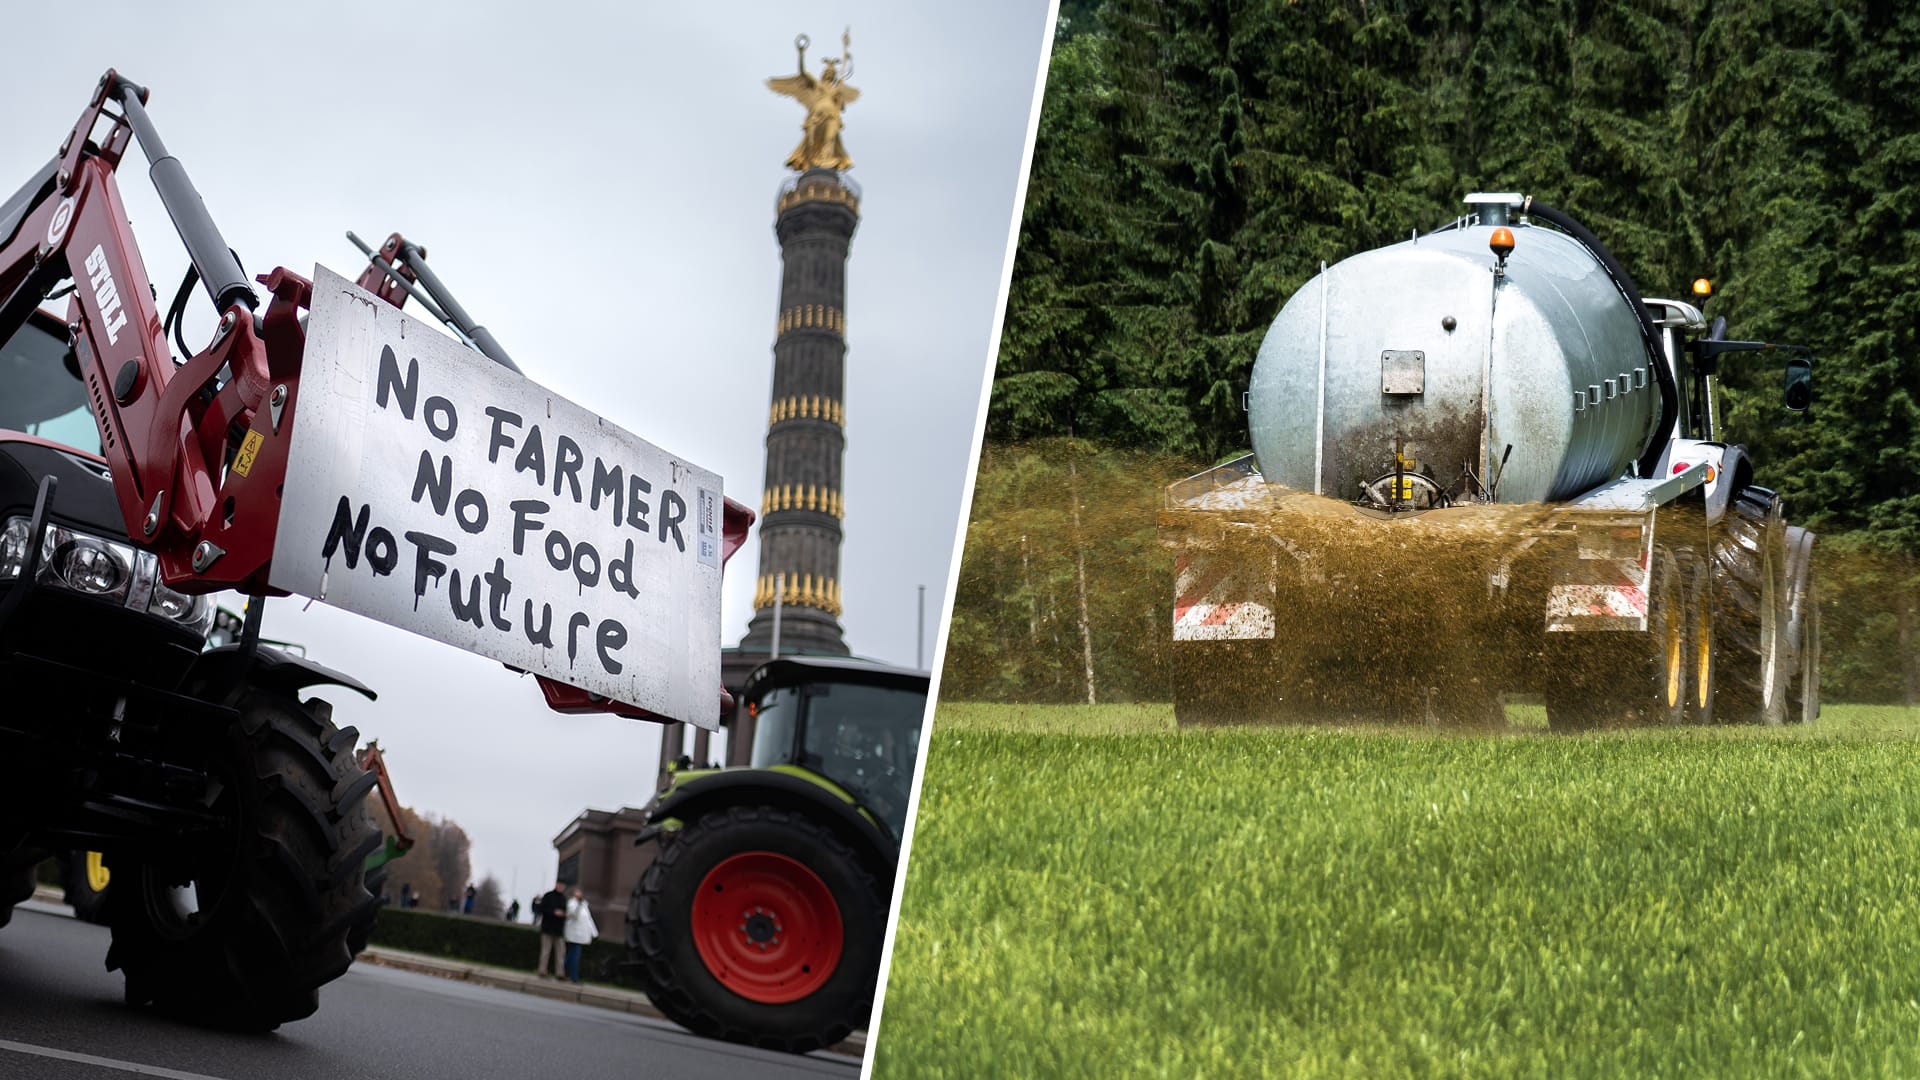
pixel 193 611
pixel 86 564
pixel 106 569
pixel 13 547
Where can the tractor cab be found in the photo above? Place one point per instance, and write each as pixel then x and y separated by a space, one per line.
pixel 39 393
pixel 852 723
pixel 94 593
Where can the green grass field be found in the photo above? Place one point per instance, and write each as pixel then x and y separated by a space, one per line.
pixel 1091 893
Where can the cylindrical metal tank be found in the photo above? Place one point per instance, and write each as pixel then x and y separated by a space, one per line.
pixel 1423 343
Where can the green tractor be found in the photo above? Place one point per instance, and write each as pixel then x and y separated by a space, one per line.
pixel 760 920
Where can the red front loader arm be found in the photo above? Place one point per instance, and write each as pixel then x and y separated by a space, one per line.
pixel 170 435
pixel 198 451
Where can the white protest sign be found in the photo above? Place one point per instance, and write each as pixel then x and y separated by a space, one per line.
pixel 433 489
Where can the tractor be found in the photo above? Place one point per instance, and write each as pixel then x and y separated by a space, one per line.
pixel 141 475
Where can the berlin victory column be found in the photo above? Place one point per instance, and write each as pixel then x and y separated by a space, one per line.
pixel 801 507
pixel 796 595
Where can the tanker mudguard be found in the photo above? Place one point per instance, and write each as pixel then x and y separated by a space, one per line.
pixel 730 787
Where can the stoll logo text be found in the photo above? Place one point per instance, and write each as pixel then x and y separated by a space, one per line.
pixel 105 295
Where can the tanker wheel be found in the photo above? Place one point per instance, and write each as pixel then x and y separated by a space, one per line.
pixel 1606 677
pixel 1468 705
pixel 1749 565
pixel 1660 679
pixel 1253 681
pixel 1213 682
pixel 1576 686
pixel 241 928
pixel 759 926
pixel 1700 645
pixel 87 879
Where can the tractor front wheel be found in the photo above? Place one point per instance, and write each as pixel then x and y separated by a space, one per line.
pixel 16 885
pixel 241 929
pixel 759 926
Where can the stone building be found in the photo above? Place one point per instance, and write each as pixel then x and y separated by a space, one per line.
pixel 598 854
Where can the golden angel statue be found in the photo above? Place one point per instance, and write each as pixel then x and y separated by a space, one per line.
pixel 824 97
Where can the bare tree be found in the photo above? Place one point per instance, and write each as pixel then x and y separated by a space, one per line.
pixel 450 859
pixel 439 863
pixel 419 869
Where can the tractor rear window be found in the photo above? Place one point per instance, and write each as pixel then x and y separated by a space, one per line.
pixel 38 395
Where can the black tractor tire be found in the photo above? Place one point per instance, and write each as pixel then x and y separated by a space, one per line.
pixel 1752 654
pixel 1803 694
pixel 376 879
pixel 360 932
pixel 278 901
pixel 88 903
pixel 1624 677
pixel 665 918
pixel 16 885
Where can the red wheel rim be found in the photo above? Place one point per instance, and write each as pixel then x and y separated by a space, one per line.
pixel 767 927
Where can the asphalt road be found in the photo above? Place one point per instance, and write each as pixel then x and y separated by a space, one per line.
pixel 61 1018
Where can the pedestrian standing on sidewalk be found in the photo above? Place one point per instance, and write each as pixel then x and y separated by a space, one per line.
pixel 551 912
pixel 580 932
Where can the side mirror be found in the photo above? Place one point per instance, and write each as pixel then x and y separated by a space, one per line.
pixel 1799 390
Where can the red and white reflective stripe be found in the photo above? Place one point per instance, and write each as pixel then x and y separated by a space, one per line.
pixel 1192 586
pixel 1217 600
pixel 1602 590
pixel 1597 601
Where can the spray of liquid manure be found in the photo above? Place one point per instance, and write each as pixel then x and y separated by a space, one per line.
pixel 1068 595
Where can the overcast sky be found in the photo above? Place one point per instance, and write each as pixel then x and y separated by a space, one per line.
pixel 596 184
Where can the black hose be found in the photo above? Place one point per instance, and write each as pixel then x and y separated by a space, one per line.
pixel 176 312
pixel 1657 357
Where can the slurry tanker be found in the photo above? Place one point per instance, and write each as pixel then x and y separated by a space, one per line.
pixel 1485 466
